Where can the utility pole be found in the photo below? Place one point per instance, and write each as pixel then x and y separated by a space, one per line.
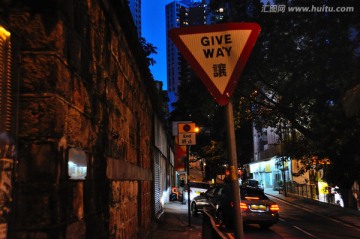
pixel 239 232
pixel 283 174
pixel 188 181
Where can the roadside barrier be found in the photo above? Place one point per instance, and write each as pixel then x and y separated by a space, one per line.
pixel 209 228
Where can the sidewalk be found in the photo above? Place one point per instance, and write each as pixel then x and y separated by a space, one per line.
pixel 174 223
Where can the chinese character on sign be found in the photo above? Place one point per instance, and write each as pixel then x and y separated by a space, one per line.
pixel 219 70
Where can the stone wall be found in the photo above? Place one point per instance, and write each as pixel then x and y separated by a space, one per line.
pixel 84 84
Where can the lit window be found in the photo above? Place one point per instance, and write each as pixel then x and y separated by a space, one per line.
pixel 77 165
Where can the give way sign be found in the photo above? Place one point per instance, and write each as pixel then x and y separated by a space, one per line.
pixel 217 53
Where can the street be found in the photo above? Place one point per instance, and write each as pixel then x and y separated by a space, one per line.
pixel 296 222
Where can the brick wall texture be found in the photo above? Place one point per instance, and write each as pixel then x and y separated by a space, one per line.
pixel 82 84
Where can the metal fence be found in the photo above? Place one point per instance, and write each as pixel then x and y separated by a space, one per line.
pixel 302 190
pixel 309 191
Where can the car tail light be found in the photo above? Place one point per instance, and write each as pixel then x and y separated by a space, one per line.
pixel 252 198
pixel 274 208
pixel 243 206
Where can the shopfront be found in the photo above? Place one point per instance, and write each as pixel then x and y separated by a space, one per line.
pixel 270 172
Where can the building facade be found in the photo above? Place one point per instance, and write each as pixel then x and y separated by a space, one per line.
pixel 180 14
pixel 135 8
pixel 265 167
pixel 78 123
pixel 275 171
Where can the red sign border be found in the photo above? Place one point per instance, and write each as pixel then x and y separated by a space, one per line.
pixel 222 99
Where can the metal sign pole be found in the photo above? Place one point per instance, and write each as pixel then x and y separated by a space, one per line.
pixel 188 181
pixel 239 232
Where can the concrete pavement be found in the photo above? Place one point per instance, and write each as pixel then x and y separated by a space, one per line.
pixel 174 223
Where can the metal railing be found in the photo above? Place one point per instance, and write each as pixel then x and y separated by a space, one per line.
pixel 209 228
pixel 302 190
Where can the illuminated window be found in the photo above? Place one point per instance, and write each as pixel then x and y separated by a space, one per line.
pixel 77 164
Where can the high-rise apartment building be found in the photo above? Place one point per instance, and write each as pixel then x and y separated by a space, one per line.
pixel 135 8
pixel 180 14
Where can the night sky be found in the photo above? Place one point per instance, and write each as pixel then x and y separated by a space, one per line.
pixel 153 30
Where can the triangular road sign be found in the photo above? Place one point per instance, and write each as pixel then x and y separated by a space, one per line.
pixel 217 53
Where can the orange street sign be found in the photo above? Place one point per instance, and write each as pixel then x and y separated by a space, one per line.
pixel 186 128
pixel 217 53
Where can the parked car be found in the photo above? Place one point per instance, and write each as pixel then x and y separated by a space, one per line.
pixel 253 183
pixel 200 202
pixel 256 207
pixel 196 188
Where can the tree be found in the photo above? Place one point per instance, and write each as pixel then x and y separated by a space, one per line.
pixel 297 75
pixel 197 105
pixel 149 49
pixel 299 71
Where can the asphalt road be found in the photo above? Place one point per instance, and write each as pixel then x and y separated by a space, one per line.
pixel 299 223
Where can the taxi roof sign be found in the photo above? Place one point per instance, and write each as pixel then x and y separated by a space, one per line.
pixel 217 53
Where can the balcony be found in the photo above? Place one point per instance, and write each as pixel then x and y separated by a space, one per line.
pixel 270 150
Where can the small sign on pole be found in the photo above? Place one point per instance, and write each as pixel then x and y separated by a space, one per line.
pixel 187 139
pixel 186 134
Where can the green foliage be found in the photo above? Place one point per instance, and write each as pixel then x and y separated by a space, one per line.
pixel 294 81
pixel 213 151
pixel 149 49
pixel 296 78
pixel 195 104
